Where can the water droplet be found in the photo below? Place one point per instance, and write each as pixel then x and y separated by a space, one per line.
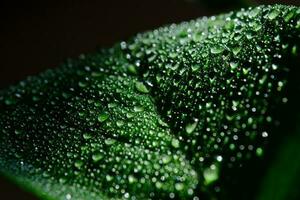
pixel 284 100
pixel 18 132
pixel 166 159
pixel 294 50
pixel 232 146
pixel 120 123
pixel 175 143
pixel 66 95
pixel 78 164
pixel 172 195
pixel 254 12
pixel 264 134
pixel 190 127
pixel 233 65
pixel 68 197
pixel 179 186
pixel 132 69
pixel 110 141
pixel 195 67
pixel 86 136
pixel 62 180
pixel 97 157
pixel 219 158
pixel 158 184
pixel 35 98
pixel 109 178
pixel 211 174
pixel 111 105
pixel 82 84
pixel 162 123
pixel 289 15
pixel 129 115
pixel 131 179
pixel 273 14
pixel 236 50
pixel 141 87
pixel 138 109
pixel 9 101
pixel 217 50
pixel 103 117
pixel 259 152
pixel 245 71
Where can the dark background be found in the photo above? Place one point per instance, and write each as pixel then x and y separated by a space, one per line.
pixel 35 36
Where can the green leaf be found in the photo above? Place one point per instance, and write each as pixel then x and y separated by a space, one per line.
pixel 282 179
pixel 188 111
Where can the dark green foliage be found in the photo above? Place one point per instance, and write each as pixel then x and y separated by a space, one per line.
pixel 187 111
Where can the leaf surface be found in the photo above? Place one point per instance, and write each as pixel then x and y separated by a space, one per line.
pixel 186 111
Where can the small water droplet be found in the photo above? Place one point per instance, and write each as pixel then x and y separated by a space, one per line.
pixel 254 12
pixel 132 69
pixel 110 141
pixel 78 164
pixel 82 84
pixel 129 115
pixel 141 87
pixel 273 14
pixel 103 117
pixel 120 123
pixel 131 179
pixel 86 136
pixel 166 159
pixel 109 178
pixel 9 101
pixel 233 65
pixel 211 174
pixel 190 127
pixel 219 158
pixel 259 152
pixel 35 98
pixel 68 197
pixel 195 67
pixel 264 134
pixel 216 50
pixel 97 157
pixel 18 132
pixel 175 143
pixel 236 50
pixel 179 186
pixel 138 109
pixel 111 105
